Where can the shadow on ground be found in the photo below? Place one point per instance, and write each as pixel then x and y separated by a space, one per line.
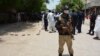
pixel 1 40
pixel 96 38
pixel 16 27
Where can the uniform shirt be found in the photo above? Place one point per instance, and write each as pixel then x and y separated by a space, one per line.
pixel 67 23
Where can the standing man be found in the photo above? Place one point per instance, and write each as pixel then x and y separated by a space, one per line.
pixel 92 23
pixel 97 27
pixel 74 21
pixel 79 21
pixel 51 22
pixel 45 21
pixel 64 27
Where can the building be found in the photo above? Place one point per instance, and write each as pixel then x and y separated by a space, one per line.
pixel 92 5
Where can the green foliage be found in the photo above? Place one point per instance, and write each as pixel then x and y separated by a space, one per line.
pixel 43 8
pixel 7 4
pixel 58 7
pixel 77 5
pixel 23 5
pixel 65 2
pixel 72 4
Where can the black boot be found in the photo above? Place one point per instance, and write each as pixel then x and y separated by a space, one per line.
pixel 71 54
pixel 92 33
pixel 96 37
pixel 60 54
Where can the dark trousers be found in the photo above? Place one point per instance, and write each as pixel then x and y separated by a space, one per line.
pixel 92 25
pixel 79 26
pixel 74 28
pixel 45 25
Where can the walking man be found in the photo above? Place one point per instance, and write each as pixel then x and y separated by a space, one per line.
pixel 92 23
pixel 45 21
pixel 64 27
pixel 51 22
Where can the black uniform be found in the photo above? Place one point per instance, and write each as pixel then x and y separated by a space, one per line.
pixel 79 21
pixel 74 21
pixel 92 23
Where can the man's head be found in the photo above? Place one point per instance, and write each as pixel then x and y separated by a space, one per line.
pixel 73 11
pixel 66 10
pixel 49 11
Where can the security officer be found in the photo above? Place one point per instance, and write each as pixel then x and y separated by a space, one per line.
pixel 64 27
pixel 79 21
pixel 74 20
pixel 92 23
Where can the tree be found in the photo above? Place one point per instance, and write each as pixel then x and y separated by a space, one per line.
pixel 58 7
pixel 44 7
pixel 30 5
pixel 64 2
pixel 22 5
pixel 72 4
pixel 7 4
pixel 77 4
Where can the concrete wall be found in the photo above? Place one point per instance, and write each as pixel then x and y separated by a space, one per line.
pixel 93 3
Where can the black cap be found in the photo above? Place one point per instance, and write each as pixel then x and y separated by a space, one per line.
pixel 49 11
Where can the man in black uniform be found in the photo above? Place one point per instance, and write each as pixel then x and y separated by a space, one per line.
pixel 74 20
pixel 45 21
pixel 79 21
pixel 92 23
pixel 64 27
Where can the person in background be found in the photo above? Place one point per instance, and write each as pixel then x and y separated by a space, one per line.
pixel 45 21
pixel 56 16
pixel 74 20
pixel 51 22
pixel 97 27
pixel 79 21
pixel 92 23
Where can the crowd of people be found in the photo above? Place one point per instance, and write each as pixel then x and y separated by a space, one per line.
pixel 50 18
pixel 66 23
pixel 94 24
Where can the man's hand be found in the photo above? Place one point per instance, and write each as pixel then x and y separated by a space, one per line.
pixel 64 28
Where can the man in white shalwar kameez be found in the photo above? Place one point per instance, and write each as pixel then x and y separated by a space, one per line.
pixel 51 22
pixel 97 27
pixel 43 20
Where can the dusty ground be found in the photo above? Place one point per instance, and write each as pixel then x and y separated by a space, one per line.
pixel 20 39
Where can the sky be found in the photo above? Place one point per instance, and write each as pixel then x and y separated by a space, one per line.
pixel 52 4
